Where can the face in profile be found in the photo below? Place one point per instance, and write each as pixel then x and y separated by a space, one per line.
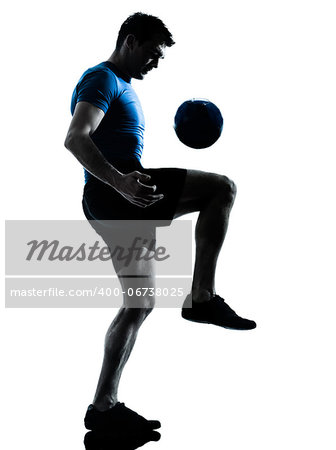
pixel 144 57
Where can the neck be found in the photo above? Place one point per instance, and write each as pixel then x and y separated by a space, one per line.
pixel 117 59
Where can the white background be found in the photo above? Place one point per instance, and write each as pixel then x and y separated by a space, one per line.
pixel 270 67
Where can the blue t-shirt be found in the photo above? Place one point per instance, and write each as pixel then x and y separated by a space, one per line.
pixel 120 134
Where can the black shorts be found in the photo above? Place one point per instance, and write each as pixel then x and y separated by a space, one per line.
pixel 102 202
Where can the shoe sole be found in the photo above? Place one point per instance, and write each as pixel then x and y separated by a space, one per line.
pixel 151 425
pixel 216 324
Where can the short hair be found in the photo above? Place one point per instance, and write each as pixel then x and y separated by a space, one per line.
pixel 144 27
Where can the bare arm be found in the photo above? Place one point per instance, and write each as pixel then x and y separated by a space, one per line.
pixel 85 121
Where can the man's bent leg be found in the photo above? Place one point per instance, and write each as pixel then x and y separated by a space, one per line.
pixel 213 196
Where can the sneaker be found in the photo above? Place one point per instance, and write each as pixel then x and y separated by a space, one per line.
pixel 216 312
pixel 119 418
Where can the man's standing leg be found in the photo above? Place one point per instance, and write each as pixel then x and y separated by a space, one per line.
pixel 213 196
pixel 106 413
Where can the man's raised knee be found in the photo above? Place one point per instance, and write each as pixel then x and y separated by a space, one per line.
pixel 228 189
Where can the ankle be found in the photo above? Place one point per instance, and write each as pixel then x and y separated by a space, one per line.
pixel 202 295
pixel 104 405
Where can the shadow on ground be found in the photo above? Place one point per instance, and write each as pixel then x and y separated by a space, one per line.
pixel 94 440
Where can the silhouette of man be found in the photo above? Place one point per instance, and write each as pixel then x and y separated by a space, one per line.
pixel 106 136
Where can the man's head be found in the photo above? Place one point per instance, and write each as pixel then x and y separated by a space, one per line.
pixel 141 42
pixel 144 28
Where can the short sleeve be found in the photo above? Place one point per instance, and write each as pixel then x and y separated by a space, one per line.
pixel 99 88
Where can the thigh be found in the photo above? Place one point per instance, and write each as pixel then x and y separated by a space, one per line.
pixel 199 188
pixel 132 250
pixel 130 244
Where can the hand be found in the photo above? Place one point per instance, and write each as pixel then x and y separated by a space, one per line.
pixel 131 186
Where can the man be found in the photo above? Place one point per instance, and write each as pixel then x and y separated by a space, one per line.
pixel 106 136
